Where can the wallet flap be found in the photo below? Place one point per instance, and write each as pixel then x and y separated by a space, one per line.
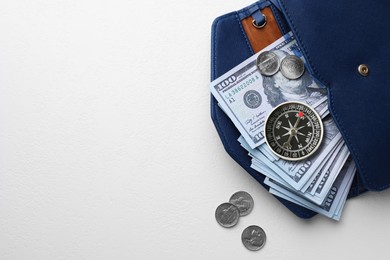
pixel 336 37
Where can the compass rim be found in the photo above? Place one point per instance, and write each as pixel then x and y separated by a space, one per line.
pixel 315 148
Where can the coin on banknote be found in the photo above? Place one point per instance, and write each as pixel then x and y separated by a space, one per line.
pixel 243 201
pixel 268 63
pixel 227 215
pixel 292 67
pixel 253 238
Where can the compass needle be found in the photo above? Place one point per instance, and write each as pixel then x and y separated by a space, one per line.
pixel 297 122
pixel 287 144
pixel 290 124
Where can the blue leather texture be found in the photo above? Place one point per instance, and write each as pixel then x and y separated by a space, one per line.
pixel 230 47
pixel 336 37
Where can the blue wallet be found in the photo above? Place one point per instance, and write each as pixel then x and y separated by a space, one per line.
pixel 335 38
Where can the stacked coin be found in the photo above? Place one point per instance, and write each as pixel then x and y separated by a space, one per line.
pixel 240 204
pixel 291 67
pixel 227 215
pixel 243 201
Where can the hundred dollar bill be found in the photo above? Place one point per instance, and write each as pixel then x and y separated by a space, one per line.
pixel 264 169
pixel 267 152
pixel 323 109
pixel 298 173
pixel 267 171
pixel 247 96
pixel 331 169
pixel 309 186
pixel 336 197
pixel 341 155
pixel 327 178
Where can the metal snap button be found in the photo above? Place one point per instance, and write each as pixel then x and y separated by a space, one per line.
pixel 363 70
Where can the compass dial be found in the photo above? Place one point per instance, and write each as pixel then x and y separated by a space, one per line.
pixel 293 131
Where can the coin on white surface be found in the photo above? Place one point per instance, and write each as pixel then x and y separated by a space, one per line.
pixel 227 215
pixel 243 201
pixel 253 238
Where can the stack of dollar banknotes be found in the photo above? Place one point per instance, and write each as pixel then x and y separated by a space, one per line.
pixel 248 94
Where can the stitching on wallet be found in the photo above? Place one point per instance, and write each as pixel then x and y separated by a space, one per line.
pixel 278 20
pixel 225 140
pixel 214 71
pixel 213 50
pixel 357 180
pixel 309 60
pixel 244 34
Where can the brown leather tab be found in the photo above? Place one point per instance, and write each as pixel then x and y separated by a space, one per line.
pixel 262 37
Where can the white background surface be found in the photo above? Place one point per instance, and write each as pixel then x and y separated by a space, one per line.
pixel 107 149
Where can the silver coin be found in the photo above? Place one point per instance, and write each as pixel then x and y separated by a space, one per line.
pixel 292 67
pixel 243 201
pixel 268 63
pixel 227 215
pixel 253 238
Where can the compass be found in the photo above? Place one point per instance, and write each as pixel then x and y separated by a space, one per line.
pixel 293 131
